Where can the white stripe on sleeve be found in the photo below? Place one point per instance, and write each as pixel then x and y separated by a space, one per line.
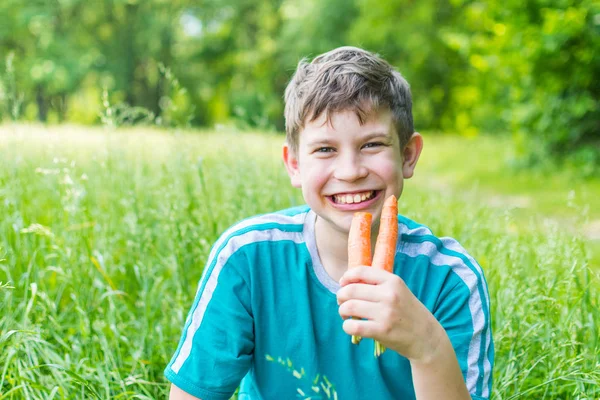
pixel 233 244
pixel 475 302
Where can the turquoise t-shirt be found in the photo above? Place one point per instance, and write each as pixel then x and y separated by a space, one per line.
pixel 266 314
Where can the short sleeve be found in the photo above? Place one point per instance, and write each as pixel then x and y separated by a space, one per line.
pixel 463 311
pixel 216 346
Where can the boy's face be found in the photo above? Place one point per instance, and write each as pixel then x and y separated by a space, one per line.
pixel 347 167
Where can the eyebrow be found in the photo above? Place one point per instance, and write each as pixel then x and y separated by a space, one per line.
pixel 370 136
pixel 377 135
pixel 320 142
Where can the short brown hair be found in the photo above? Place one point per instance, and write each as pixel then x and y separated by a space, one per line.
pixel 346 78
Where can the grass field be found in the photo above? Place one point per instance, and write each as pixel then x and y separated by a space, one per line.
pixel 103 237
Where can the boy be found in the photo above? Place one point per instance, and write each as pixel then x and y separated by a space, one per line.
pixel 276 285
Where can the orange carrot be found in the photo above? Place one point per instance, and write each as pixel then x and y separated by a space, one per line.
pixel 359 245
pixel 385 247
pixel 359 240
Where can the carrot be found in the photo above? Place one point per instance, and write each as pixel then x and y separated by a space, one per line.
pixel 359 240
pixel 359 245
pixel 385 247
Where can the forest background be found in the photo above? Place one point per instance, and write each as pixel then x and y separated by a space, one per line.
pixel 524 69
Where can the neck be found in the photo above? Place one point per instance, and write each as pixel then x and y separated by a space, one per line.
pixel 332 245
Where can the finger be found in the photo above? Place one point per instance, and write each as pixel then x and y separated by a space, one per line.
pixel 364 274
pixel 358 309
pixel 362 328
pixel 358 291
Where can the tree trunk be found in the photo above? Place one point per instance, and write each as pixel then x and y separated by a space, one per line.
pixel 42 103
pixel 130 56
pixel 61 107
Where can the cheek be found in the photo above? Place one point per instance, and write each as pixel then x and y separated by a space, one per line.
pixel 316 174
pixel 314 179
pixel 390 170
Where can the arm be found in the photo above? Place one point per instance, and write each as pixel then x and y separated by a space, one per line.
pixel 178 394
pixel 438 375
pixel 217 343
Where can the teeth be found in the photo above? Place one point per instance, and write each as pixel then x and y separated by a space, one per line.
pixel 352 198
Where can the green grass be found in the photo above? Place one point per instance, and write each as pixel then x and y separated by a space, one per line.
pixel 103 236
pixel 484 170
pixel 489 164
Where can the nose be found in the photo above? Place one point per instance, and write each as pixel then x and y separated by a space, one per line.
pixel 349 167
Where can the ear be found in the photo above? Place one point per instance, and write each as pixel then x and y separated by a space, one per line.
pixel 410 154
pixel 291 165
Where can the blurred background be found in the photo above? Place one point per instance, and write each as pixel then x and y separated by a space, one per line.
pixel 526 70
pixel 133 133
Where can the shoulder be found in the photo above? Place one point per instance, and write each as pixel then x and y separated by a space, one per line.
pixel 288 220
pixel 417 240
pixel 276 226
pixel 234 250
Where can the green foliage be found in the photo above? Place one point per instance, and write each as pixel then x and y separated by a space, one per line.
pixel 528 70
pixel 175 105
pixel 540 65
pixel 408 35
pixel 11 100
pixel 120 114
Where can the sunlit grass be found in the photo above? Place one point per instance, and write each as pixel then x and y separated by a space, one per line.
pixel 103 237
pixel 486 169
pixel 490 164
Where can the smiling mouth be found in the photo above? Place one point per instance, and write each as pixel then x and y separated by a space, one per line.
pixel 354 198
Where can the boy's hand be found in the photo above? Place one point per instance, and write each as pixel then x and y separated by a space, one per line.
pixel 393 315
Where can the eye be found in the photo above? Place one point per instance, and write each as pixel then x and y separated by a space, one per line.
pixel 325 150
pixel 373 144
